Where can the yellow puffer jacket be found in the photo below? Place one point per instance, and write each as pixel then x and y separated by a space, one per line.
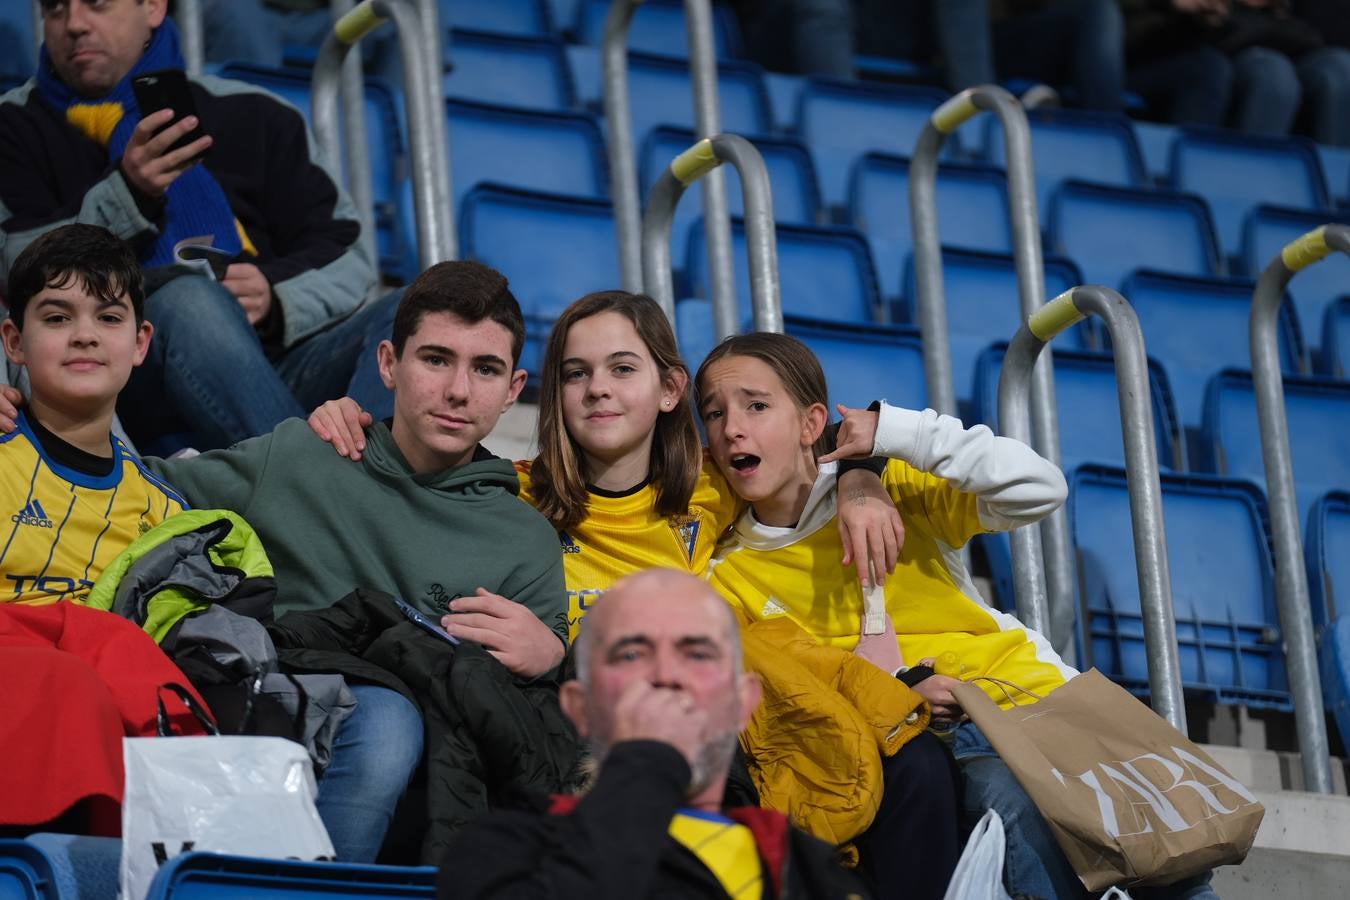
pixel 828 718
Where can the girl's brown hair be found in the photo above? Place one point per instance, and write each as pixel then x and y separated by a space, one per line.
pixel 558 474
pixel 791 360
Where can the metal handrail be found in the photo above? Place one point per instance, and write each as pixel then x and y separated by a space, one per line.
pixel 38 29
pixel 435 240
pixel 188 13
pixel 1291 579
pixel 429 14
pixel 623 181
pixel 1141 472
pixel 1028 260
pixel 699 161
pixel 352 93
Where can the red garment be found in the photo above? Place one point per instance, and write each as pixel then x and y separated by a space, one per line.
pixel 73 682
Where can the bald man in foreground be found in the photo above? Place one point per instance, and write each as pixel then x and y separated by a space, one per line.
pixel 660 696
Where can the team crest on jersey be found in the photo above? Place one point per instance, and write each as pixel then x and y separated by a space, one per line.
pixel 688 531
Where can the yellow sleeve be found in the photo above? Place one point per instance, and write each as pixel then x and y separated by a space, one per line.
pixel 950 515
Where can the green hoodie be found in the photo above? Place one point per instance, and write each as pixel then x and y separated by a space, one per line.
pixel 331 525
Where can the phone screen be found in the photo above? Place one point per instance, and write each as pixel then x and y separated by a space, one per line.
pixel 167 89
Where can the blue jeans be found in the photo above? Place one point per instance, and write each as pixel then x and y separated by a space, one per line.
pixel 206 373
pixel 377 749
pixel 1034 865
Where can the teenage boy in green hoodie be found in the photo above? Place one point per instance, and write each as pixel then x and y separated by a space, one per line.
pixel 427 514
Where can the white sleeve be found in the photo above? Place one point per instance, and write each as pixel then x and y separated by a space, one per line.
pixel 1015 485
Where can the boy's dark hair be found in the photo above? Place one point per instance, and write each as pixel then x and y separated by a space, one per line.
pixel 467 289
pixel 89 254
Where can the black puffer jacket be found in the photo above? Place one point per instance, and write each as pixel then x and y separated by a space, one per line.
pixel 488 735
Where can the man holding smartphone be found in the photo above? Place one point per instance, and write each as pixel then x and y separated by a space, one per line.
pixel 284 329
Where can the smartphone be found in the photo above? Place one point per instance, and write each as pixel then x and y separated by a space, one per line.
pixel 425 623
pixel 167 89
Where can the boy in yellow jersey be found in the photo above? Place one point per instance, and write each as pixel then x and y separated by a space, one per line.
pixel 660 696
pixel 72 495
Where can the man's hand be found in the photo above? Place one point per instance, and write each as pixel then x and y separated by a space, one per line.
pixel 341 422
pixel 644 712
pixel 148 164
pixel 937 690
pixel 869 526
pixel 247 282
pixel 507 630
pixel 857 434
pixel 881 650
pixel 10 401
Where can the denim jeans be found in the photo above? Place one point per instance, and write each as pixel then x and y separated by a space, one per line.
pixel 206 373
pixel 1034 865
pixel 377 749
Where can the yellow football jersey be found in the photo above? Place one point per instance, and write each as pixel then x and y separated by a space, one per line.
pixel 768 571
pixel 624 534
pixel 64 526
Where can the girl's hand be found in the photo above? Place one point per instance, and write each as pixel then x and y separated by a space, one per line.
pixel 857 434
pixel 869 526
pixel 342 423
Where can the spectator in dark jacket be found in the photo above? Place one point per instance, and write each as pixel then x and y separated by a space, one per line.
pixel 660 696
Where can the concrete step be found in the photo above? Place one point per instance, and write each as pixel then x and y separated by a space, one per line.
pixel 1302 850
pixel 1271 770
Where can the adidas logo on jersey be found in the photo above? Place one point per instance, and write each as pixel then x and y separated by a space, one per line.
pixel 32 514
pixel 773 607
pixel 568 545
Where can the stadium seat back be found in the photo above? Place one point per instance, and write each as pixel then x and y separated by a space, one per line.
pixel 510 70
pixel 984 307
pixel 841 121
pixel 532 149
pixel 866 363
pixel 1067 144
pixel 1328 553
pixel 556 249
pixel 695 331
pixel 210 876
pixel 18 54
pixel 26 872
pixel 1088 407
pixel 972 212
pixel 661 93
pixel 824 273
pixel 1335 357
pixel 658 27
pixel 1222 581
pixel 1174 310
pixel 528 17
pixel 1236 173
pixel 1110 232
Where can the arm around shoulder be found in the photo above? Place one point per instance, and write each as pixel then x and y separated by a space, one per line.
pixel 1014 484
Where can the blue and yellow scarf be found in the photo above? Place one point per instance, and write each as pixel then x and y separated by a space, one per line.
pixel 195 203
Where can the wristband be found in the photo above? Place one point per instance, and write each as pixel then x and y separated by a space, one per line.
pixel 914 674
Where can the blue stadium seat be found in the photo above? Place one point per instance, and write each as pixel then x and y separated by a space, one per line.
pixel 1236 173
pixel 1328 552
pixel 661 93
pixel 199 876
pixel 842 120
pixel 972 212
pixel 784 90
pixel 1318 410
pixel 554 248
pixel 796 198
pixel 562 152
pixel 658 27
pixel 1267 232
pixel 25 871
pixel 1088 407
pixel 1110 232
pixel 529 17
pixel 866 363
pixel 695 331
pixel 825 273
pixel 396 240
pixel 1155 142
pixel 1174 310
pixel 18 53
pixel 1096 147
pixel 1335 655
pixel 1335 356
pixel 1222 579
pixel 1336 166
pixel 511 70
pixel 984 307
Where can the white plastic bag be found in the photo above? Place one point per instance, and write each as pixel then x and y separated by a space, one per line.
pixel 251 796
pixel 979 871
